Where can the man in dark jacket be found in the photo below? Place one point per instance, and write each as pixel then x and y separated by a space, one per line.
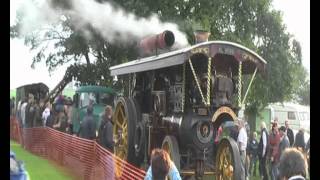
pixel 253 153
pixel 262 151
pixel 105 135
pixel 299 142
pixel 29 111
pixel 284 141
pixel 88 125
pixel 61 125
pixel 37 121
pixel 289 133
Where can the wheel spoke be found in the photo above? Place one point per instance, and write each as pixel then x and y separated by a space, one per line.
pixel 124 130
pixel 118 124
pixel 120 154
pixel 125 124
pixel 124 136
pixel 122 114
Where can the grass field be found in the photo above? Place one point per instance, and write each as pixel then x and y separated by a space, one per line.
pixel 39 168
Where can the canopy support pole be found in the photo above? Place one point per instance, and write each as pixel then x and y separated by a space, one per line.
pixel 253 76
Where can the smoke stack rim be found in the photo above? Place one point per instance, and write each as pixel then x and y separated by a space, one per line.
pixel 169 38
pixel 201 36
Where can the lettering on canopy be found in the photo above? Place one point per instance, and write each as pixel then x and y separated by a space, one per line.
pixel 244 56
pixel 203 50
pixel 226 50
pixel 248 57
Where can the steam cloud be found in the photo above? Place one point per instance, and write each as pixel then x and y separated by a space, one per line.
pixel 113 24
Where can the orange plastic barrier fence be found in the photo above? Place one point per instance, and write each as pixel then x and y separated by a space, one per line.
pixel 83 157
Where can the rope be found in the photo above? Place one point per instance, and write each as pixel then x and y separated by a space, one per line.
pixel 183 85
pixel 239 83
pixel 196 79
pixel 208 81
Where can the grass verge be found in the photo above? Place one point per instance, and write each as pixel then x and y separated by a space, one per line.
pixel 38 167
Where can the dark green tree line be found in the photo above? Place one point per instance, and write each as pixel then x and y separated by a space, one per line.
pixel 251 23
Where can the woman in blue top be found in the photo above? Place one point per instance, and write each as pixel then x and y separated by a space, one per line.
pixel 162 167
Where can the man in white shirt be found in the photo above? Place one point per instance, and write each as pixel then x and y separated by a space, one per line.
pixel 242 144
pixel 45 114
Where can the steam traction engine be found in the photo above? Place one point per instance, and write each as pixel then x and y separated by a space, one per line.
pixel 177 100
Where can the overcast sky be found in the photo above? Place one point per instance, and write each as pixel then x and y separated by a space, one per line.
pixel 296 16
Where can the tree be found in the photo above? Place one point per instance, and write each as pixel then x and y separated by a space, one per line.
pixel 304 93
pixel 250 23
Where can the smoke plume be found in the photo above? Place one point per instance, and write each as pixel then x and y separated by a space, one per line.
pixel 114 24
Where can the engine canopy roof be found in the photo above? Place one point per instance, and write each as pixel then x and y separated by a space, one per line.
pixel 223 53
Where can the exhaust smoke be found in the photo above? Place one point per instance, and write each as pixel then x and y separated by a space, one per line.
pixel 114 24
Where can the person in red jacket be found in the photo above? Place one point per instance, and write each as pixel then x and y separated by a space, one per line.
pixel 274 141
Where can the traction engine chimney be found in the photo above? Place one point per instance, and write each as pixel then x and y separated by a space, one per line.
pixel 150 45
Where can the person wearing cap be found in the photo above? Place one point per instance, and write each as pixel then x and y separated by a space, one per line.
pixel 88 125
pixel 242 144
pixel 284 140
pixel 274 141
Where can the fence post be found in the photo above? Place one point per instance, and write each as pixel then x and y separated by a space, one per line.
pixel 61 148
pixel 93 169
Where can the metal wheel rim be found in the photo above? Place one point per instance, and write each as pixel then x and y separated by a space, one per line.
pixel 225 167
pixel 121 124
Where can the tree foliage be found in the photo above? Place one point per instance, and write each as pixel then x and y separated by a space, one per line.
pixel 251 23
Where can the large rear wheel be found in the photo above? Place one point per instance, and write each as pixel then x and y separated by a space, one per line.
pixel 228 162
pixel 139 134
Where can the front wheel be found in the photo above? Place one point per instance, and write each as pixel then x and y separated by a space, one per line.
pixel 228 162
